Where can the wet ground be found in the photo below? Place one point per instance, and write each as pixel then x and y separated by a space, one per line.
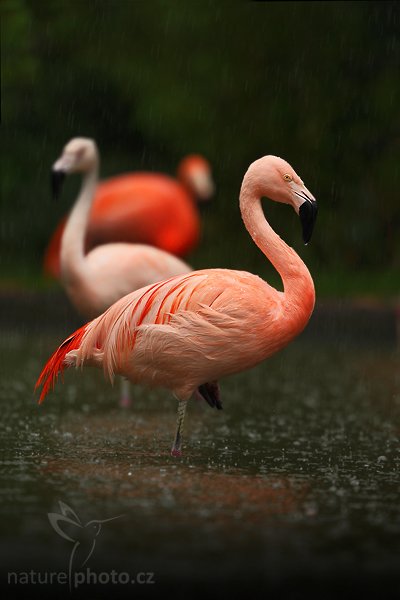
pixel 292 491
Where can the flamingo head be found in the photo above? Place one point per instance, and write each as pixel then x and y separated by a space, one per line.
pixel 79 155
pixel 275 178
pixel 195 172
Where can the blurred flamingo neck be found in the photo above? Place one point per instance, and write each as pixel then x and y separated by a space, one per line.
pixel 297 281
pixel 73 240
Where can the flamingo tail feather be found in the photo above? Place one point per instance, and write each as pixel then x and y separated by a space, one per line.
pixel 56 363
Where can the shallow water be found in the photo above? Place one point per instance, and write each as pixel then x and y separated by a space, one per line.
pixel 292 489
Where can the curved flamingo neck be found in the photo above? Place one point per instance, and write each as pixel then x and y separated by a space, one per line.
pixel 299 293
pixel 73 239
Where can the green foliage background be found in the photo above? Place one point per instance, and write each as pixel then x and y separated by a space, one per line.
pixel 314 82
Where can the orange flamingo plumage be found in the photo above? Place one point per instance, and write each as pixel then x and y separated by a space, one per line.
pixel 144 208
pixel 185 333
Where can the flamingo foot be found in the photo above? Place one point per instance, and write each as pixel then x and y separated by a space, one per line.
pixel 210 393
pixel 176 452
pixel 125 401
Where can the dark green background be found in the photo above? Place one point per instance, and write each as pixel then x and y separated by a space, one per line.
pixel 314 82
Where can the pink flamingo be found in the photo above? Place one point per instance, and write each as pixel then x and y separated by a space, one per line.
pixel 187 332
pixel 145 208
pixel 94 281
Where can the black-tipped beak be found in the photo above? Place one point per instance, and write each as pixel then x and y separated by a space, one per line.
pixel 308 215
pixel 57 178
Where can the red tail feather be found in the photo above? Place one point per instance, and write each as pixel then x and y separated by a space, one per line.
pixel 55 364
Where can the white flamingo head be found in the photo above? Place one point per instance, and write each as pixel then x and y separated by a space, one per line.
pixel 273 177
pixel 79 155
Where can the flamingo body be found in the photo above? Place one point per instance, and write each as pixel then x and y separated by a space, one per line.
pixel 145 208
pixel 190 330
pixel 112 270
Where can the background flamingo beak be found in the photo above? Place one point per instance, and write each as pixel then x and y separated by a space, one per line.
pixel 57 179
pixel 308 215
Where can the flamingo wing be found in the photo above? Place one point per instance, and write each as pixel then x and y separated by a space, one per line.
pixel 158 311
pixel 180 333
pixel 161 308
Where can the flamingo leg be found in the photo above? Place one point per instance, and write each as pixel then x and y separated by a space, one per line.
pixel 177 445
pixel 125 398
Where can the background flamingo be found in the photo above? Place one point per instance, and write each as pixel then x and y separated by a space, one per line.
pixel 96 280
pixel 185 333
pixel 146 208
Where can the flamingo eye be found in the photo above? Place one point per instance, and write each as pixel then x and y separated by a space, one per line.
pixel 287 177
